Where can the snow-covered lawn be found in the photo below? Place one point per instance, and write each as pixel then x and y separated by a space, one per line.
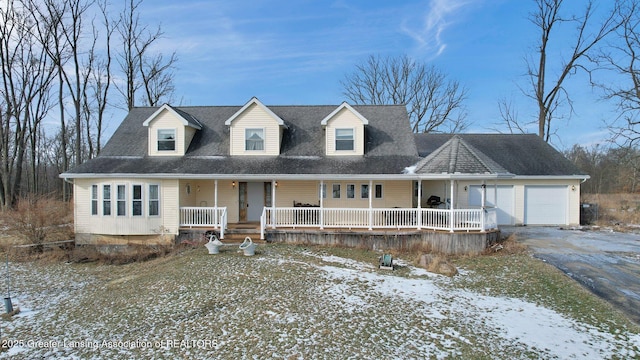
pixel 293 303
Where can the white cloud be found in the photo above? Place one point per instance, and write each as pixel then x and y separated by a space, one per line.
pixel 439 16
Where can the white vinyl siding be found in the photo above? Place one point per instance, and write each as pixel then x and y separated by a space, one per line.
pixel 255 118
pixel 337 131
pixel 126 224
pixel 159 134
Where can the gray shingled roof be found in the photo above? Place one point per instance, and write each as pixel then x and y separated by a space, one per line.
pixel 389 148
pixel 456 156
pixel 519 154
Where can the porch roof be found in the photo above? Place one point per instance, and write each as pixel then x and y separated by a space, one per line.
pixel 456 156
pixel 246 166
pixel 522 155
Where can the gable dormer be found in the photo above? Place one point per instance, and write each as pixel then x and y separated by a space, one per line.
pixel 255 130
pixel 344 132
pixel 170 131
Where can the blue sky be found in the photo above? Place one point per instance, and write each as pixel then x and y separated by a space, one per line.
pixel 296 52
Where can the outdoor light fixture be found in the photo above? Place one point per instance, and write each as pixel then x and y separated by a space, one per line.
pixel 187 189
pixel 276 184
pixel 233 184
pixel 573 188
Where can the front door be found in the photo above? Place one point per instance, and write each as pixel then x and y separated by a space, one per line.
pixel 252 201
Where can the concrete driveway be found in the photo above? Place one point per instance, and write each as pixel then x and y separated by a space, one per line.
pixel 606 262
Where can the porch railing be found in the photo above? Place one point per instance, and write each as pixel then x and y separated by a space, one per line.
pixel 204 216
pixel 380 218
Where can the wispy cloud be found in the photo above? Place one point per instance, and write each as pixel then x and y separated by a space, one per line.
pixel 428 33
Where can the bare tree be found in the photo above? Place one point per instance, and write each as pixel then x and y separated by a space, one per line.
pixel 26 78
pixel 434 103
pixel 152 73
pixel 157 79
pixel 622 57
pixel 101 83
pixel 548 88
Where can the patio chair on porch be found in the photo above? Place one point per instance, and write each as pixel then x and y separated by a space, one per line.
pixel 433 201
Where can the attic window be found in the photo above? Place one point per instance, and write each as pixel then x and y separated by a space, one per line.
pixel 344 139
pixel 254 139
pixel 166 139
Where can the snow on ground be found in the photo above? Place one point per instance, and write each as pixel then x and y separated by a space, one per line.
pixel 282 303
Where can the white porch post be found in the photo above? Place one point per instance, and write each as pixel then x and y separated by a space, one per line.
pixel 419 204
pixel 370 206
pixel 322 195
pixel 215 202
pixel 451 213
pixel 273 204
pixel 484 206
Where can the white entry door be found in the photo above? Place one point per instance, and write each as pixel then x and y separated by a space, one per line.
pixel 545 204
pixel 255 200
pixel 500 197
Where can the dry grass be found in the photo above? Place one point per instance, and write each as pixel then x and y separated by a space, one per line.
pixel 615 209
pixel 310 302
pixel 507 246
pixel 37 220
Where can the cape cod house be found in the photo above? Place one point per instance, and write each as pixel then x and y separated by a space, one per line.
pixel 312 169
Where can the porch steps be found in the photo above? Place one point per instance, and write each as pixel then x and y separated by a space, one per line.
pixel 235 233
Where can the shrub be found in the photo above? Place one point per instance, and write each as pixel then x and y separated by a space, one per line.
pixel 37 220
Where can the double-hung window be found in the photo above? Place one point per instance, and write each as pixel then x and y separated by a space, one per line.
pixel 106 200
pixel 136 200
pixel 166 139
pixel 254 139
pixel 121 200
pixel 351 191
pixel 344 139
pixel 364 191
pixel 378 191
pixel 154 200
pixel 335 190
pixel 94 199
pixel 323 191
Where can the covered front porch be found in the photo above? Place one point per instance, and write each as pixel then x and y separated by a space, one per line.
pixel 364 206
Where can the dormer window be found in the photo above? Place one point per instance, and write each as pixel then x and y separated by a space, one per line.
pixel 254 139
pixel 166 140
pixel 344 139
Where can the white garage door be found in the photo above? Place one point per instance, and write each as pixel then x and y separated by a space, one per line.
pixel 545 205
pixel 503 201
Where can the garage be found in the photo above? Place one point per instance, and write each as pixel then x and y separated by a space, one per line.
pixel 500 197
pixel 545 205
